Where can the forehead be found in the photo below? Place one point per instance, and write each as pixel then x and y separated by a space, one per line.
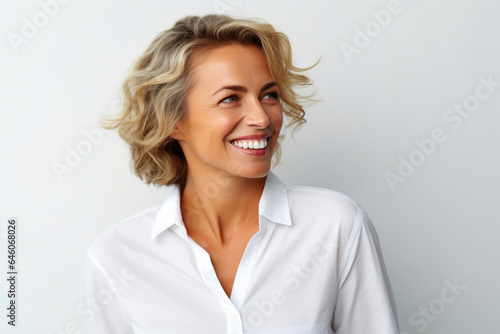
pixel 233 62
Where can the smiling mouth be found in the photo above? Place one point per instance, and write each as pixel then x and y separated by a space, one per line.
pixel 251 144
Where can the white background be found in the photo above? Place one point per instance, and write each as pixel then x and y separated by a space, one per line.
pixel 439 225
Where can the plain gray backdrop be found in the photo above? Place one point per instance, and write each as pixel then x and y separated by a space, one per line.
pixel 407 126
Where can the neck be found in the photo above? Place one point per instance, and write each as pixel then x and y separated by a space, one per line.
pixel 219 206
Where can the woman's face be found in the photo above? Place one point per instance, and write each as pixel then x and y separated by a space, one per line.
pixel 234 115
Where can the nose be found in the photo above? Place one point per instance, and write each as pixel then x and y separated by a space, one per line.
pixel 256 115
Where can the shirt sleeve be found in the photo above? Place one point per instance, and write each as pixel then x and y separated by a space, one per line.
pixel 109 316
pixel 365 304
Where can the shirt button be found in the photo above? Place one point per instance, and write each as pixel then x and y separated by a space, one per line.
pixel 234 316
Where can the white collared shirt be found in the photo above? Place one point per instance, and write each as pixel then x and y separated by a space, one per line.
pixel 314 266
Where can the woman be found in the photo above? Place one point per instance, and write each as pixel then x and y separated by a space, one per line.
pixel 232 249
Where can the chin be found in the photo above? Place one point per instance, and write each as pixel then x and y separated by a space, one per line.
pixel 252 171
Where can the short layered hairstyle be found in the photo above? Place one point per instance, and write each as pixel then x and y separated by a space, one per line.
pixel 155 91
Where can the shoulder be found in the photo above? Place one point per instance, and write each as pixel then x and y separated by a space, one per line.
pixel 322 201
pixel 326 212
pixel 128 233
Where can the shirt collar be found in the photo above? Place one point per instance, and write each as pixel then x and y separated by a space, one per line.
pixel 273 206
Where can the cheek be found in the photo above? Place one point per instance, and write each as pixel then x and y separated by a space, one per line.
pixel 214 128
pixel 225 123
pixel 276 118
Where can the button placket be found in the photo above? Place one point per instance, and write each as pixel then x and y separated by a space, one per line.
pixel 240 285
pixel 242 279
pixel 207 272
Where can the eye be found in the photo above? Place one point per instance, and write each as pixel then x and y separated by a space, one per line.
pixel 270 96
pixel 230 98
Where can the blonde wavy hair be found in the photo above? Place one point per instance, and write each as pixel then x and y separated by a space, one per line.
pixel 155 91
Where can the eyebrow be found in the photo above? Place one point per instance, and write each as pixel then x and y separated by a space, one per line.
pixel 244 89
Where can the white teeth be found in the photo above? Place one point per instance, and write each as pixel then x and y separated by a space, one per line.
pixel 255 144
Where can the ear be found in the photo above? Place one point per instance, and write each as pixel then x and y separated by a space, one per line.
pixel 177 133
